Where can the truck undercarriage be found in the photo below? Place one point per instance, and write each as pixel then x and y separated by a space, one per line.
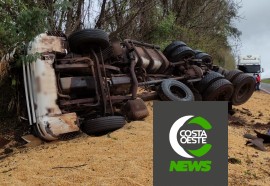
pixel 90 83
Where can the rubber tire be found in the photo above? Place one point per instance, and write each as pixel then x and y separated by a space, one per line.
pixel 244 83
pixel 206 58
pixel 197 52
pixel 223 71
pixel 83 41
pixel 221 87
pixel 181 53
pixel 233 74
pixel 220 70
pixel 103 125
pixel 171 47
pixel 166 94
pixel 207 80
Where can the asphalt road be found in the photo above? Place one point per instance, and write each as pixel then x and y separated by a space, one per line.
pixel 265 87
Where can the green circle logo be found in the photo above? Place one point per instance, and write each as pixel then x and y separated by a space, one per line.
pixel 190 136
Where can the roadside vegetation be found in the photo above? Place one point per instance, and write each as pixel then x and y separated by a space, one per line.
pixel 266 81
pixel 202 24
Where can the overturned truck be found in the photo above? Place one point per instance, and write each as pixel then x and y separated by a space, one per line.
pixel 86 82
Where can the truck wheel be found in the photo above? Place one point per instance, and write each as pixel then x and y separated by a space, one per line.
pixel 172 90
pixel 84 40
pixel 181 53
pixel 231 75
pixel 103 125
pixel 69 136
pixel 220 90
pixel 243 89
pixel 206 58
pixel 208 80
pixel 220 70
pixel 197 52
pixel 171 47
pixel 223 71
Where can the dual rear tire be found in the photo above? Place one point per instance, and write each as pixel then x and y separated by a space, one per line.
pixel 214 87
pixel 178 51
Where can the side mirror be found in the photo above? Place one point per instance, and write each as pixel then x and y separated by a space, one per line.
pixel 262 70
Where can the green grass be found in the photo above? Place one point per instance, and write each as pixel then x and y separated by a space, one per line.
pixel 266 80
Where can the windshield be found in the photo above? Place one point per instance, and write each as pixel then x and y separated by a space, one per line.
pixel 250 68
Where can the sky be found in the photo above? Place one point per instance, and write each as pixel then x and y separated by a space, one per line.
pixel 255 28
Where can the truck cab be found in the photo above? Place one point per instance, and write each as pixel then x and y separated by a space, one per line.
pixel 250 64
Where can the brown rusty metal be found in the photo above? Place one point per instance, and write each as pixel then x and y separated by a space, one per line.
pixel 165 65
pixel 59 89
pixel 152 61
pixel 120 80
pixel 70 66
pixel 62 124
pixel 157 60
pixel 158 81
pixel 191 73
pixel 158 75
pixel 77 59
pixel 148 56
pixel 78 82
pixel 100 81
pixel 117 49
pixel 95 82
pixel 147 96
pixel 121 97
pixel 134 79
pixel 141 43
pixel 77 101
pixel 135 109
pixel 114 68
pixel 106 84
pixel 140 54
pixel 127 44
pixel 198 70
pixel 90 64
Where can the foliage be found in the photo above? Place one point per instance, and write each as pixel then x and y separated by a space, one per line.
pixel 202 24
pixel 20 23
pixel 266 81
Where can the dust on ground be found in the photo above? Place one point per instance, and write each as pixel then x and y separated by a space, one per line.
pixel 251 166
pixel 125 157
